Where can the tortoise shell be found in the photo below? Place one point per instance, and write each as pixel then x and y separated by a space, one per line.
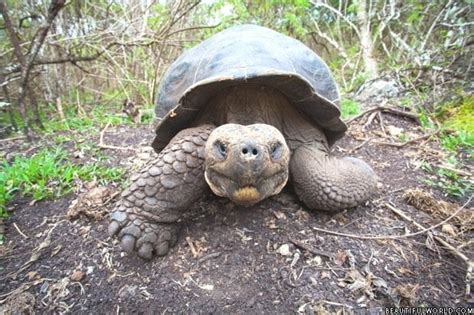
pixel 247 54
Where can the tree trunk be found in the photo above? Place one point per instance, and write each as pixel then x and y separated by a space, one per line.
pixel 366 40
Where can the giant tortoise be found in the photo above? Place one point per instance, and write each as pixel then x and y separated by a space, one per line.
pixel 241 114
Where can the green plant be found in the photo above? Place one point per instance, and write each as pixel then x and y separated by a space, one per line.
pixel 349 108
pixel 458 139
pixel 448 178
pixel 47 174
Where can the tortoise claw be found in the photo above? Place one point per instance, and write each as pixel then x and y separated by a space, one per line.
pixel 114 228
pixel 128 243
pixel 146 251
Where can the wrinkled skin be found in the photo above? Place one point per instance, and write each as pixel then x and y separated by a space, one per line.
pixel 261 142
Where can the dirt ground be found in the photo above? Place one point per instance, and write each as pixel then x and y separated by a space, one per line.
pixel 269 258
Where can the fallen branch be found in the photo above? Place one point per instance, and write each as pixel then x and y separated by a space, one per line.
pixel 400 145
pixel 308 248
pixel 357 147
pixel 386 109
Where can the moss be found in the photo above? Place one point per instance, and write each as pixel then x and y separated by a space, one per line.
pixel 457 118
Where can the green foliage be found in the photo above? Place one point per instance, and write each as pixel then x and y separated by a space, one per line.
pixel 88 121
pixel 47 174
pixel 457 117
pixel 286 16
pixel 349 108
pixel 458 139
pixel 448 179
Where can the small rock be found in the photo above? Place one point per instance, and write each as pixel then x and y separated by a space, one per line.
pixel 377 90
pixel 128 291
pixel 77 275
pixel 449 229
pixel 284 250
pixel 90 269
pixel 394 131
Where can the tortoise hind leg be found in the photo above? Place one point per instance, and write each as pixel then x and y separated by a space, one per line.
pixel 329 183
pixel 144 219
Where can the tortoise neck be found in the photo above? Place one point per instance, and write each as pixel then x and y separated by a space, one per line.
pixel 247 104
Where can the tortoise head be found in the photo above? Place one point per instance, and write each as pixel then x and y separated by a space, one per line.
pixel 246 163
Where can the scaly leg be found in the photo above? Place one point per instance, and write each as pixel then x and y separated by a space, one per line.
pixel 166 187
pixel 329 183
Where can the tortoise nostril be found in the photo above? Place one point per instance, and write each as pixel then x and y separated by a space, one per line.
pixel 250 151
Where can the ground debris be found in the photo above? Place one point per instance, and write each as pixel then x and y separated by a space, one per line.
pixel 368 285
pixel 92 201
pixel 22 303
pixel 408 293
pixel 439 209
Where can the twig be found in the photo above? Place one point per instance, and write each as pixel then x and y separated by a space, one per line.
pixel 367 140
pixel 308 248
pixel 19 231
pixel 12 139
pixel 399 145
pixel 191 245
pixel 210 256
pixel 338 13
pixel 395 237
pixel 386 109
pixel 112 147
pixel 370 119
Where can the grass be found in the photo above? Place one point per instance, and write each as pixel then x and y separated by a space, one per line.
pixel 349 108
pixel 47 174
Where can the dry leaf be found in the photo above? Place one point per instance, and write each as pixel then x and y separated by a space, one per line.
pixel 279 215
pixel 77 275
pixel 325 275
pixel 408 292
pixel 32 275
pixel 404 271
pixel 340 257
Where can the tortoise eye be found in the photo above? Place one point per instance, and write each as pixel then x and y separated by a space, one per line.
pixel 276 150
pixel 221 149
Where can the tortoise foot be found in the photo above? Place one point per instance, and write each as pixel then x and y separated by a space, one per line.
pixel 139 234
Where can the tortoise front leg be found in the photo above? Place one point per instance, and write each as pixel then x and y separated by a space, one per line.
pixel 166 187
pixel 329 183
